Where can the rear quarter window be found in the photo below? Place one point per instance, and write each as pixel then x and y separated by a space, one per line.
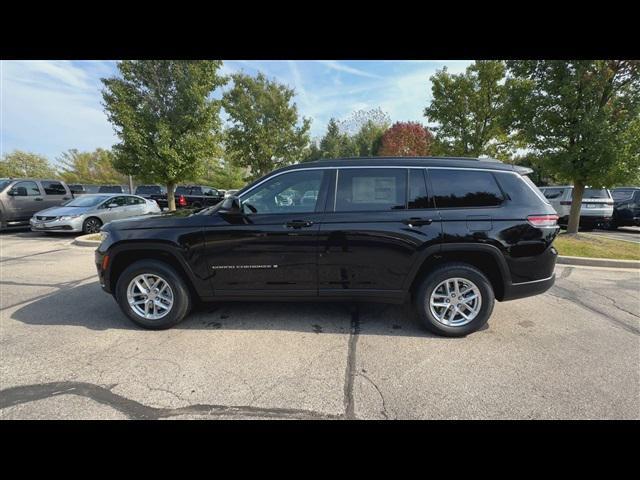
pixel 520 189
pixel 465 188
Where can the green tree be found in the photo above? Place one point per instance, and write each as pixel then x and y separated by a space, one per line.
pixel 166 120
pixel 581 117
pixel 222 174
pixel 312 152
pixel 336 144
pixel 368 140
pixel 470 111
pixel 89 167
pixel 265 131
pixel 25 164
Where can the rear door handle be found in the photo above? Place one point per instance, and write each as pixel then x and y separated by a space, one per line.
pixel 299 224
pixel 416 221
pixel 38 199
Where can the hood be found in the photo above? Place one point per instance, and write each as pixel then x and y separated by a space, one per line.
pixel 177 219
pixel 60 211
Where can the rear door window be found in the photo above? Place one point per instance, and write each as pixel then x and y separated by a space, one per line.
pixel 53 188
pixel 371 189
pixel 465 189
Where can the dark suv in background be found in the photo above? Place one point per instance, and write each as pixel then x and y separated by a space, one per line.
pixel 449 234
pixel 626 207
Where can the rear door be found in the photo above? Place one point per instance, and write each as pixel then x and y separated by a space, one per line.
pixel 135 206
pixel 54 193
pixel 380 223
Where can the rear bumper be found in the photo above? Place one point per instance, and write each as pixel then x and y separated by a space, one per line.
pixel 514 291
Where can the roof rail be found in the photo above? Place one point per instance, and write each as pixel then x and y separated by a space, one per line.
pixel 394 157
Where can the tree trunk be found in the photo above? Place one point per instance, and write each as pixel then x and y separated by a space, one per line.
pixel 171 198
pixel 576 205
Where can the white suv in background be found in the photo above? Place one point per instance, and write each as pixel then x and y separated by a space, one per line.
pixel 596 210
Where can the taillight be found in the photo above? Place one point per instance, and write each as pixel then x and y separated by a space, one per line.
pixel 182 201
pixel 105 262
pixel 543 220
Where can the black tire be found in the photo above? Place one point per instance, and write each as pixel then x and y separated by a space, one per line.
pixel 440 274
pixel 91 225
pixel 181 296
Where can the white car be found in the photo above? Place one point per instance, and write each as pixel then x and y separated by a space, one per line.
pixel 596 209
pixel 87 213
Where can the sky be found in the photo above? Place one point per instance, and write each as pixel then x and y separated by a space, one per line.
pixel 48 107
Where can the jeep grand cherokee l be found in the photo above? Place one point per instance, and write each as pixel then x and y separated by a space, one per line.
pixel 450 235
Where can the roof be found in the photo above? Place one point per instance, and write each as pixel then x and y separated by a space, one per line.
pixel 460 162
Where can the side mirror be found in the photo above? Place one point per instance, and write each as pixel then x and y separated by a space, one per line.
pixel 231 206
pixel 113 205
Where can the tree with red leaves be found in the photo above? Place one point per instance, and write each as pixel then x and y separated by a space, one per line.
pixel 406 139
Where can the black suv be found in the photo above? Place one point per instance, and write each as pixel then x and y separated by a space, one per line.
pixel 626 207
pixel 450 234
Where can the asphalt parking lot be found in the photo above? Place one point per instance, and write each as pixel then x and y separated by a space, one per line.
pixel 68 353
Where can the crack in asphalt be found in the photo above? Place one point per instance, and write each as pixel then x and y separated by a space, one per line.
pixel 384 404
pixel 350 373
pixel 567 294
pixel 137 411
pixel 10 259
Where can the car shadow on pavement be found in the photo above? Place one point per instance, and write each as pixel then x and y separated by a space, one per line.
pixel 88 306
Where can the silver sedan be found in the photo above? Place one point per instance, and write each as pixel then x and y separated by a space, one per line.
pixel 89 212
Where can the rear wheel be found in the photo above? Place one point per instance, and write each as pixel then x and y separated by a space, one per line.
pixel 91 225
pixel 454 300
pixel 153 295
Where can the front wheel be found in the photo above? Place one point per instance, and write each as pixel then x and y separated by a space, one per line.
pixel 91 225
pixel 153 295
pixel 454 300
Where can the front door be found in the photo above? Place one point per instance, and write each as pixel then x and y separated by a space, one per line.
pixel 272 245
pixel 379 226
pixel 25 200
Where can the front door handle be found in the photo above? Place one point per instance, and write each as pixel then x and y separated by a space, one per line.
pixel 416 221
pixel 299 224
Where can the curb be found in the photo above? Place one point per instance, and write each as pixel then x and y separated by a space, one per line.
pixel 82 241
pixel 598 262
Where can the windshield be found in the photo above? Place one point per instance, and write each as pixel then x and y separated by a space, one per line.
pixel 3 184
pixel 182 191
pixel 87 201
pixel 596 193
pixel 148 189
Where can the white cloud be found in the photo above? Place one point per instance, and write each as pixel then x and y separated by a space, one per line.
pixel 341 67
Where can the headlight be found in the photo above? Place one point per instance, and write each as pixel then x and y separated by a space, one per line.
pixel 68 217
pixel 103 236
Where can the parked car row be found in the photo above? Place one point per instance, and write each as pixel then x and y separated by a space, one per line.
pixel 191 196
pixel 600 207
pixel 54 206
pixel 82 189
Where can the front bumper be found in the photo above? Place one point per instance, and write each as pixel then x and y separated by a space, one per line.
pixel 73 225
